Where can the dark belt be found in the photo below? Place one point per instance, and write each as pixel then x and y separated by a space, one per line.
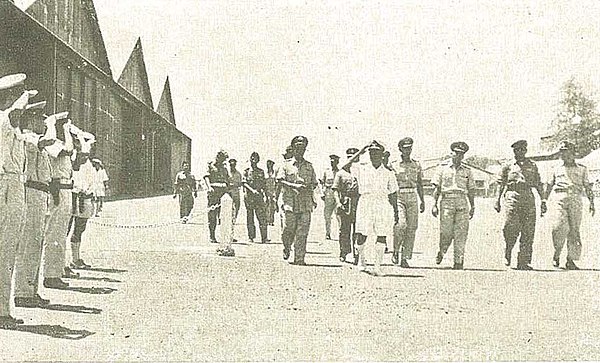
pixel 42 187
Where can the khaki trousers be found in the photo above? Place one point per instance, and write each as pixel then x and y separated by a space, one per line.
pixel 56 235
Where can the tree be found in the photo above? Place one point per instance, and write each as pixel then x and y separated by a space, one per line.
pixel 577 120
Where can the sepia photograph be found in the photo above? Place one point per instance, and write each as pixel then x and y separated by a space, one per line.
pixel 299 180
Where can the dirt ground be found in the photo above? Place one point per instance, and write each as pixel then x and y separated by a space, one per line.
pixel 163 294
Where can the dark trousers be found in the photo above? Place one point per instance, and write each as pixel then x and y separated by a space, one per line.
pixel 295 231
pixel 347 237
pixel 214 199
pixel 186 204
pixel 520 223
pixel 255 206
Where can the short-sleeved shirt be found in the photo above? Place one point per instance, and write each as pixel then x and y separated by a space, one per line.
pixel 454 179
pixel 407 173
pixel 520 175
pixel 328 177
pixel 255 178
pixel 345 183
pixel 37 165
pixel 297 172
pixel 12 147
pixel 573 178
pixel 84 178
pixel 373 181
pixel 217 173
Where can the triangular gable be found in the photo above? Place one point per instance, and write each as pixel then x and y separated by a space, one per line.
pixel 75 22
pixel 134 77
pixel 165 105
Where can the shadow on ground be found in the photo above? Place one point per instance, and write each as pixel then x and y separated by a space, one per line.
pixel 53 331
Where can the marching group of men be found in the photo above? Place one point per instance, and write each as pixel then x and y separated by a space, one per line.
pixel 382 200
pixel 47 182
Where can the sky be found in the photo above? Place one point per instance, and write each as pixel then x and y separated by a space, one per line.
pixel 249 75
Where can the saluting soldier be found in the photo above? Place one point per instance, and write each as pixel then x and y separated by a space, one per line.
pixel 298 180
pixel 377 209
pixel 569 182
pixel 218 183
pixel 13 100
pixel 455 185
pixel 254 186
pixel 38 177
pixel 60 205
pixel 517 180
pixel 328 194
pixel 409 176
pixel 345 188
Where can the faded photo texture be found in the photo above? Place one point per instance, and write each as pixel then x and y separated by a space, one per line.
pixel 299 180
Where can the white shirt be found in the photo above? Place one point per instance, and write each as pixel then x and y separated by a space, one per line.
pixel 375 182
pixel 83 179
pixel 100 177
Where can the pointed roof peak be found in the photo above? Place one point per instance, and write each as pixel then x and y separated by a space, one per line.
pixel 134 76
pixel 165 105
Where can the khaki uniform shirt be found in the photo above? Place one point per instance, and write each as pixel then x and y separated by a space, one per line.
pixel 407 173
pixel 573 179
pixel 452 179
pixel 295 172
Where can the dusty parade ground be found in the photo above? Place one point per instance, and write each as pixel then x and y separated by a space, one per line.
pixel 163 294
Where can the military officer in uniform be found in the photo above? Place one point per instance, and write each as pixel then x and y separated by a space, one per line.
pixel 328 193
pixel 345 188
pixel 218 182
pixel 38 177
pixel 236 185
pixel 516 181
pixel 254 186
pixel 569 181
pixel 298 180
pixel 270 192
pixel 185 188
pixel 409 176
pixel 455 185
pixel 13 101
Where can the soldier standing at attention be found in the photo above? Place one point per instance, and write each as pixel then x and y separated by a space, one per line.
pixel 13 100
pixel 254 185
pixel 345 188
pixel 409 176
pixel 328 194
pixel 455 184
pixel 569 182
pixel 185 188
pixel 516 181
pixel 218 183
pixel 298 180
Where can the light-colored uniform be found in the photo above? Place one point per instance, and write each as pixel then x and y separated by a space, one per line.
pixel 374 214
pixel 329 198
pixel 569 184
pixel 407 176
pixel 29 257
pixel 455 184
pixel 100 178
pixel 59 214
pixel 12 204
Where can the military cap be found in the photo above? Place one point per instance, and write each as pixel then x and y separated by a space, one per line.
pixel 352 151
pixel 22 102
pixel 333 156
pixel 459 147
pixel 222 153
pixel 519 144
pixel 231 161
pixel 376 146
pixel 254 155
pixel 299 140
pixel 270 162
pixel 12 80
pixel 405 142
pixel 566 146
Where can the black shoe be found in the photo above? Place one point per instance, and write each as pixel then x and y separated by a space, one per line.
pixel 395 257
pixel 298 263
pixel 250 240
pixel 9 322
pixel 213 240
pixel 439 258
pixel 69 274
pixel 457 266
pixel 327 236
pixel 556 262
pixel 286 254
pixel 570 265
pixel 55 283
pixel 31 302
pixel 79 265
pixel 524 267
pixel 404 264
